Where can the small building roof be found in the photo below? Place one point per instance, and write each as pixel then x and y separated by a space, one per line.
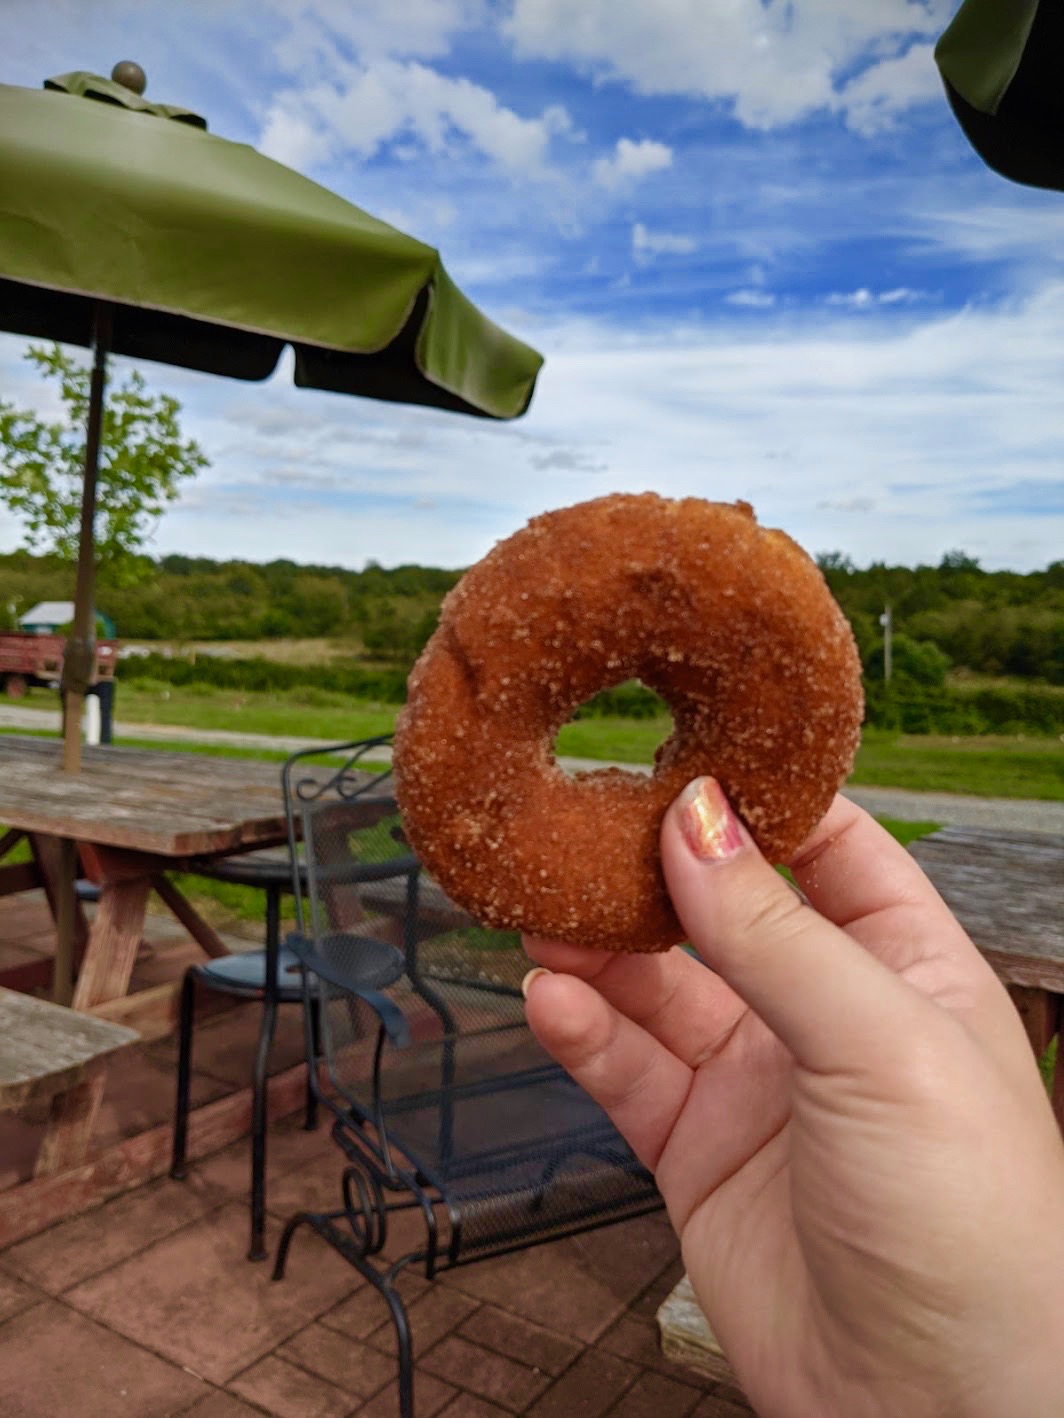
pixel 49 613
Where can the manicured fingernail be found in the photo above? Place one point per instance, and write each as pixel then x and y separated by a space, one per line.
pixel 532 975
pixel 710 828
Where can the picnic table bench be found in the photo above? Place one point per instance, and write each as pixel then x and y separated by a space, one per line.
pixel 47 1049
pixel 1007 891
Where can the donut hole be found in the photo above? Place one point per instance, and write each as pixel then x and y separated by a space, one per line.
pixel 633 707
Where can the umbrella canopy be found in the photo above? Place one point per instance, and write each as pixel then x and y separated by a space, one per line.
pixel 1002 66
pixel 214 257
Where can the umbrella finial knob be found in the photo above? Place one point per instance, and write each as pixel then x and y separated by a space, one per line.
pixel 130 76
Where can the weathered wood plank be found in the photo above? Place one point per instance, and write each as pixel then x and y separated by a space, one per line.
pixel 1006 889
pixel 45 1048
pixel 153 1012
pixel 172 803
pixel 687 1338
pixel 117 929
pixel 201 932
pixel 34 1205
pixel 69 929
pixel 116 932
pixel 48 856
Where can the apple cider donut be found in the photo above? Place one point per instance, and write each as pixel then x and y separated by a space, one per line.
pixel 731 623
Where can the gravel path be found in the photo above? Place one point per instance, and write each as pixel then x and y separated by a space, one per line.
pixel 1010 814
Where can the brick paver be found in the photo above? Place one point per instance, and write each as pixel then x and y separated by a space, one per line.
pixel 146 1307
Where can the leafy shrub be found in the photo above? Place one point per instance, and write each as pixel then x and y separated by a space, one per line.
pixel 914 709
pixel 384 686
pixel 913 662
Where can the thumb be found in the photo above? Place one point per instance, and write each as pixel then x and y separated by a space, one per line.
pixel 817 989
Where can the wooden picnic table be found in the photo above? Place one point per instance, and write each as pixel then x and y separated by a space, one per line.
pixel 132 816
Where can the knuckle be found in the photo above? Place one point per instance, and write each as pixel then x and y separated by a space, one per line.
pixel 775 916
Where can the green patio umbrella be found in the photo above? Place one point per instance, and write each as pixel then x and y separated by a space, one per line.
pixel 1002 62
pixel 126 227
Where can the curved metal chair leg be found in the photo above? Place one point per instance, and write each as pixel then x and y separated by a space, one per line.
pixel 401 1320
pixel 184 1071
pixel 292 1225
pixel 257 1249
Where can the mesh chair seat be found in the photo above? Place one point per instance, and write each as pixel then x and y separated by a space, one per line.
pixel 517 1155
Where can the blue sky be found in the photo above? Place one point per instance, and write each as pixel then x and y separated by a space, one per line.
pixel 756 250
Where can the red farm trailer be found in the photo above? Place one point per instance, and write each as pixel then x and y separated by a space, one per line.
pixel 38 659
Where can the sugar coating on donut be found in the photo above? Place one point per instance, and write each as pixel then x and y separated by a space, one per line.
pixel 731 623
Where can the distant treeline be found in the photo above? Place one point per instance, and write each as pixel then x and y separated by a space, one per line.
pixel 989 622
pixel 388 614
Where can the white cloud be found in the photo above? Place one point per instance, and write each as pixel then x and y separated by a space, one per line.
pixel 1029 227
pixel 774 63
pixel 630 161
pixel 865 299
pixel 647 244
pixel 365 106
pixel 371 29
pixel 847 504
pixel 808 418
pixel 874 99
pixel 291 135
pixel 753 299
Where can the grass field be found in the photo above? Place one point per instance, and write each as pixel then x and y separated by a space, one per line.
pixel 1008 767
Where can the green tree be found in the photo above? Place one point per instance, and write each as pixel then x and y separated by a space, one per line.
pixel 914 662
pixel 143 459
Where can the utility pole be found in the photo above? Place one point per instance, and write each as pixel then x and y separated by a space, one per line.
pixel 886 620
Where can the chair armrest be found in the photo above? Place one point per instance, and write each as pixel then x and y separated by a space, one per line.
pixel 387 1011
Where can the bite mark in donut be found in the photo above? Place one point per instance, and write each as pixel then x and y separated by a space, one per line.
pixel 732 624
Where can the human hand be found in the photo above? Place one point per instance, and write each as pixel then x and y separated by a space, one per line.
pixel 845 1122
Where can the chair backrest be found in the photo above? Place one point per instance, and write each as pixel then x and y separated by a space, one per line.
pixel 334 804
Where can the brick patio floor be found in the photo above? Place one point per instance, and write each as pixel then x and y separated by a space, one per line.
pixel 147 1307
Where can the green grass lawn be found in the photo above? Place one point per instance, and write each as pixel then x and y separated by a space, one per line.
pixel 993 767
pixel 313 713
pixel 1008 767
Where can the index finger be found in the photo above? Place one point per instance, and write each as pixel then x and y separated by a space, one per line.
pixel 671 995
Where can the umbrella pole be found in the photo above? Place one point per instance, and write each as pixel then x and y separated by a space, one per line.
pixel 79 656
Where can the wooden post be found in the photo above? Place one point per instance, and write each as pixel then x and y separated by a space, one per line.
pixel 65 924
pixel 79 656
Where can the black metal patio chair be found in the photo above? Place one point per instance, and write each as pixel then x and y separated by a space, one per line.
pixel 273 975
pixel 443 1103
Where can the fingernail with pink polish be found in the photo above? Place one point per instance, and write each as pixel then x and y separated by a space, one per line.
pixel 710 828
